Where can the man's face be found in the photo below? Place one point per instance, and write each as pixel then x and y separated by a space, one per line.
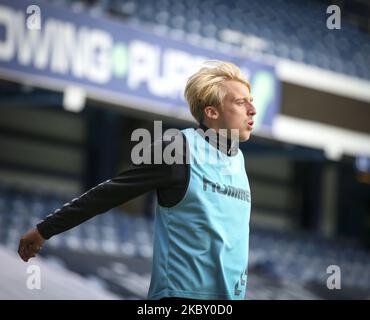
pixel 237 110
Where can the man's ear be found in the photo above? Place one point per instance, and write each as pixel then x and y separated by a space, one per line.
pixel 211 113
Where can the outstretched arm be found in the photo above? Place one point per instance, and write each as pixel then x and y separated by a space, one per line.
pixel 132 182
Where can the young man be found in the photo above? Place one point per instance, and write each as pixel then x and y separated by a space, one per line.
pixel 201 230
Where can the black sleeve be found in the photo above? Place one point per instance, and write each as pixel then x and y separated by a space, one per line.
pixel 132 182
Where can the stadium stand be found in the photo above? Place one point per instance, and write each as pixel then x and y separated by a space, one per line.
pixel 116 248
pixel 283 29
pixel 110 256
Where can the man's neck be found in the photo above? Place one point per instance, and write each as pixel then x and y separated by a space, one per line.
pixel 223 144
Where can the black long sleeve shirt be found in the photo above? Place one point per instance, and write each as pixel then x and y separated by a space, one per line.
pixel 169 181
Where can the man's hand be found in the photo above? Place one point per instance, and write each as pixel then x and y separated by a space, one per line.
pixel 30 244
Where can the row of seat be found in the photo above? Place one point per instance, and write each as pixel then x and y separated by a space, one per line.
pixel 290 29
pixel 294 256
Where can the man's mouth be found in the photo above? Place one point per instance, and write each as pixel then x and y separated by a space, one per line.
pixel 250 123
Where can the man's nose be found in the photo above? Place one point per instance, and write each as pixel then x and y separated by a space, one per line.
pixel 251 110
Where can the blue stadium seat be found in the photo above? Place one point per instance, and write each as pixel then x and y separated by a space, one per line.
pixel 294 30
pixel 291 256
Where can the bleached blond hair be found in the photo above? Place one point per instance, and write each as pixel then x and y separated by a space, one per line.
pixel 204 88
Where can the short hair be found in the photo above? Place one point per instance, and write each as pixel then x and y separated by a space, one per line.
pixel 204 88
